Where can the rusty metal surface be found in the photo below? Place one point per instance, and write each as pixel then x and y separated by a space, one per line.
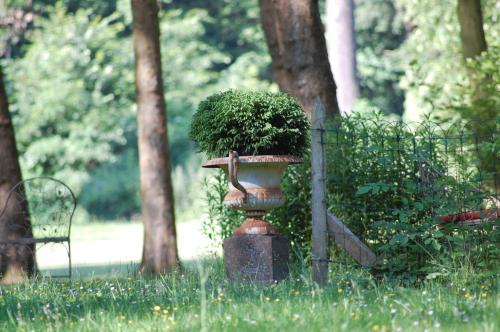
pixel 255 226
pixel 257 199
pixel 233 173
pixel 217 162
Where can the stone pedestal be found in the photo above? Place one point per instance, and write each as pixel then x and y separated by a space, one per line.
pixel 262 259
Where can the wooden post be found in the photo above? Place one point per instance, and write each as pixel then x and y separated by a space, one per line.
pixel 319 228
pixel 350 242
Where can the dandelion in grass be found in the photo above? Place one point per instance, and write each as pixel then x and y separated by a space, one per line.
pixel 250 321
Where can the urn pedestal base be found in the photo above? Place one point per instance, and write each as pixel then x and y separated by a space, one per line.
pixel 255 258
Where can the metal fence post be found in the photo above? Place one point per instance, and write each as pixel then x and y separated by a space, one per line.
pixel 319 227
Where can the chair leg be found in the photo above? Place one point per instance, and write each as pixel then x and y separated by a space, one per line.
pixel 69 258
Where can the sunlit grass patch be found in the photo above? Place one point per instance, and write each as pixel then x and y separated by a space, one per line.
pixel 352 302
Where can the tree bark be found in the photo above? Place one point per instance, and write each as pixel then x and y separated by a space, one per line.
pixel 481 112
pixel 295 38
pixel 472 39
pixel 341 43
pixel 17 262
pixel 160 244
pixel 471 28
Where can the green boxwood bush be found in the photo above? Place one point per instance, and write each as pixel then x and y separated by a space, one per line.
pixel 251 123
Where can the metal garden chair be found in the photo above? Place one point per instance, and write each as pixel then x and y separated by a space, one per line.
pixel 51 205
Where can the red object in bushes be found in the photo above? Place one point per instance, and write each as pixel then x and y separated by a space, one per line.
pixel 470 217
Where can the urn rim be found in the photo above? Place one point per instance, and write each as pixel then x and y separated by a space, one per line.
pixel 259 159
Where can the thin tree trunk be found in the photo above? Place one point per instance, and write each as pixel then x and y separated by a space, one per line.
pixel 160 244
pixel 472 39
pixel 17 262
pixel 341 42
pixel 471 28
pixel 295 38
pixel 473 44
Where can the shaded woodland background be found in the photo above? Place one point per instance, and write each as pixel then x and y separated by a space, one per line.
pixel 69 64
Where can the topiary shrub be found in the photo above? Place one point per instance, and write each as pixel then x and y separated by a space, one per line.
pixel 251 123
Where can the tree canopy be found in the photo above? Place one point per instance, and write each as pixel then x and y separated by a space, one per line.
pixel 69 76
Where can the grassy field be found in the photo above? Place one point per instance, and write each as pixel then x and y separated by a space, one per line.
pixel 105 295
pixel 113 249
pixel 187 302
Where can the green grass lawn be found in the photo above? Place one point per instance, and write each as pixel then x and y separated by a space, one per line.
pixel 113 249
pixel 353 301
pixel 105 295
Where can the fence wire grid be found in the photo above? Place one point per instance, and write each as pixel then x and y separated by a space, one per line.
pixel 414 194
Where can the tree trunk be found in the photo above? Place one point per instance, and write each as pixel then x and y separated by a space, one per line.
pixel 472 39
pixel 482 113
pixel 295 38
pixel 341 42
pixel 17 262
pixel 471 28
pixel 160 244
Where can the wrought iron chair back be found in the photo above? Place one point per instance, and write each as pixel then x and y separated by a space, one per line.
pixel 51 205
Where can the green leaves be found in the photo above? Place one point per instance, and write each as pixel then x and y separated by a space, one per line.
pixel 252 123
pixel 70 105
pixel 380 185
pixel 375 188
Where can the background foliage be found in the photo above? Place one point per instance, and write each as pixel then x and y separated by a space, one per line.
pixel 76 66
pixel 69 69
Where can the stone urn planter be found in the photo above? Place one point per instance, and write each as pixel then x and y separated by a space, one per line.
pixel 268 130
pixel 254 187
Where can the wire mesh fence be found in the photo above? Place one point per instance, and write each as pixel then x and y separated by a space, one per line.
pixel 418 195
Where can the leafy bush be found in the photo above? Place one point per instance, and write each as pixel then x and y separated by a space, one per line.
pixel 71 95
pixel 113 190
pixel 390 183
pixel 250 123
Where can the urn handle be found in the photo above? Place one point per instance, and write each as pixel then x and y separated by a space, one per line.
pixel 233 173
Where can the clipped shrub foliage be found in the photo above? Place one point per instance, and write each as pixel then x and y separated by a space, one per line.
pixel 251 123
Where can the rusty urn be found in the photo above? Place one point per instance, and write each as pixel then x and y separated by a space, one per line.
pixel 253 136
pixel 254 187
